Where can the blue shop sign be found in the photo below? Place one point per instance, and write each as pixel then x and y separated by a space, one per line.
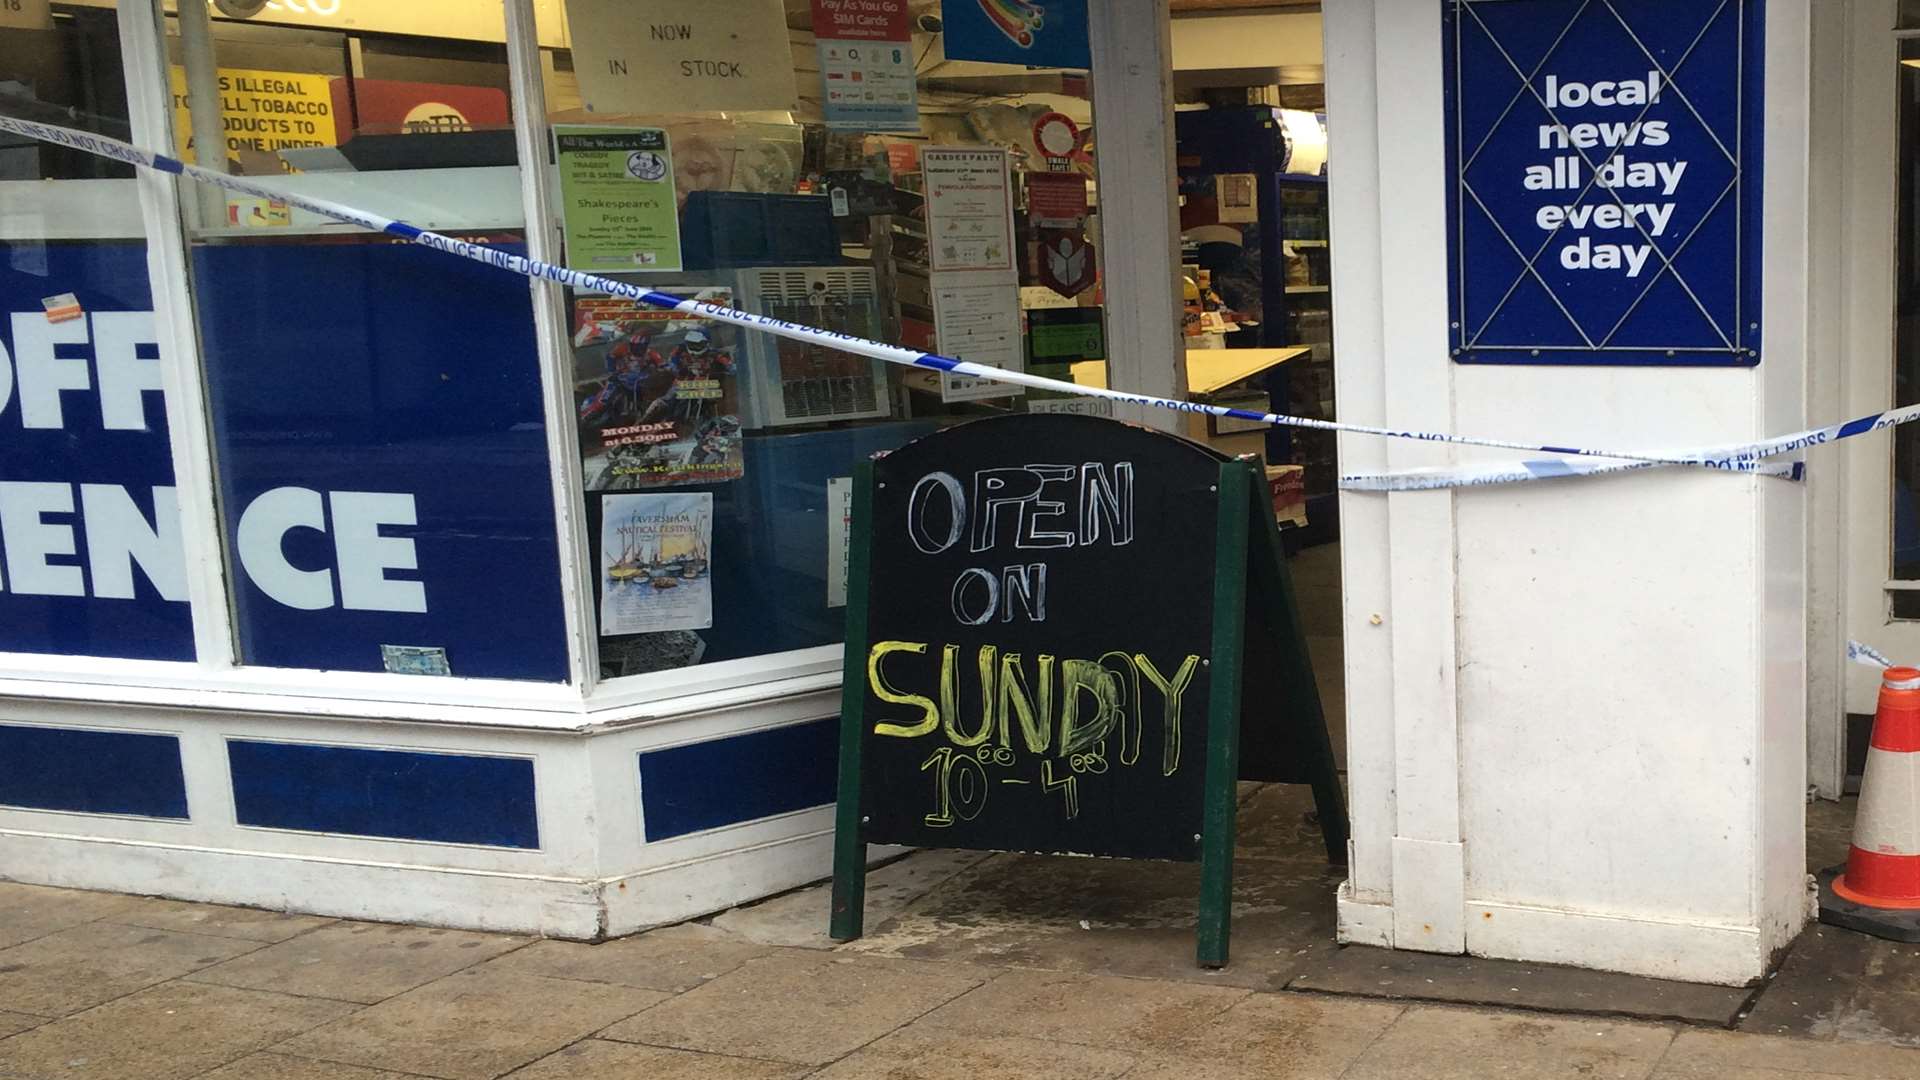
pixel 380 443
pixel 1053 34
pixel 383 460
pixel 1604 166
pixel 90 559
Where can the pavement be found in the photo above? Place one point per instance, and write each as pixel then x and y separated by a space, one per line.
pixel 975 966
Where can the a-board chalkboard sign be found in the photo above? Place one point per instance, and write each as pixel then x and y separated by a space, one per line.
pixel 1053 629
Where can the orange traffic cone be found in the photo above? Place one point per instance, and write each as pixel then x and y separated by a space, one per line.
pixel 1878 891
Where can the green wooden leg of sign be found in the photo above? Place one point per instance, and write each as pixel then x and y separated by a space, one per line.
pixel 849 828
pixel 1301 690
pixel 1219 800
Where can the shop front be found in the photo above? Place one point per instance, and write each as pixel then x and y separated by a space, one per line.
pixel 344 576
pixel 339 575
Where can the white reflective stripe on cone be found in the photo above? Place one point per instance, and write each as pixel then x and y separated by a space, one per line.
pixel 1888 821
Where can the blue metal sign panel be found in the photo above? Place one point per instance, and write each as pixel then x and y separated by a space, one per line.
pixel 1605 162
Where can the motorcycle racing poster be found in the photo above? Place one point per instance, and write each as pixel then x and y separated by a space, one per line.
pixel 658 393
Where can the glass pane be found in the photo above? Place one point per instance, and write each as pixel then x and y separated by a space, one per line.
pixel 1909 15
pixel 834 167
pixel 89 522
pixel 376 406
pixel 1906 369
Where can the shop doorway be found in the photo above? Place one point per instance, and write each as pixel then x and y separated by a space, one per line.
pixel 1251 145
pixel 1865 509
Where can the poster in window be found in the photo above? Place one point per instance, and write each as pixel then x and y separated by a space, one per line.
pixel 866 65
pixel 658 393
pixel 617 198
pixel 656 569
pixel 969 199
pixel 979 324
pixel 839 535
pixel 645 56
pixel 261 111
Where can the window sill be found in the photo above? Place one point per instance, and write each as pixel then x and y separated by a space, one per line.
pixel 478 703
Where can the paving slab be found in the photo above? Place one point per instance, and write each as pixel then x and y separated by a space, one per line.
pixel 360 962
pixel 1116 917
pixel 12 1023
pixel 1740 1050
pixel 1829 832
pixel 1416 976
pixel 1714 1072
pixel 1279 821
pixel 927 1053
pixel 1091 1010
pixel 799 919
pixel 1841 984
pixel 86 965
pixel 672 959
pixel 1459 1044
pixel 1275 1037
pixel 248 924
pixel 804 1008
pixel 284 1067
pixel 598 1059
pixel 172 1031
pixel 475 1025
pixel 31 911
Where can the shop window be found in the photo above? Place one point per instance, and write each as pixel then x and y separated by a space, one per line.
pixel 376 410
pixel 90 541
pixel 838 164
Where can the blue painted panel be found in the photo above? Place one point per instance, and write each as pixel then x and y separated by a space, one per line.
pixel 399 371
pixel 70 444
pixel 1604 193
pixel 726 781
pixel 94 772
pixel 399 794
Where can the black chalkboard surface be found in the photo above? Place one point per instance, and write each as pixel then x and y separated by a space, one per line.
pixel 1048 624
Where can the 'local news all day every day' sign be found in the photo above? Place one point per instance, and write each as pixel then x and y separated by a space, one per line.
pixel 1604 170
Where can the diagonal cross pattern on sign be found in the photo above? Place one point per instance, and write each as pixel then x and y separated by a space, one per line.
pixel 1525 82
pixel 1530 267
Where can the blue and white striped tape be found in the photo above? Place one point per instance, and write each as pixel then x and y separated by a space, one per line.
pixel 1862 653
pixel 1743 458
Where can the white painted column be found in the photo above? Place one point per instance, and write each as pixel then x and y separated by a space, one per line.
pixel 1826 382
pixel 1577 730
pixel 1429 869
pixel 1139 212
pixel 1366 900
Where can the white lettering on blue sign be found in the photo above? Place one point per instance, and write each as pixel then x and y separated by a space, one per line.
pixel 43 521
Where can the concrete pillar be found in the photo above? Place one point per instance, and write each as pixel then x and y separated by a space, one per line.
pixel 1576 709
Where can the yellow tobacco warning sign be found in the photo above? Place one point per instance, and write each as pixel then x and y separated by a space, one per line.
pixel 264 111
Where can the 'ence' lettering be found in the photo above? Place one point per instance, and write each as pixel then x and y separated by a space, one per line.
pixel 104 541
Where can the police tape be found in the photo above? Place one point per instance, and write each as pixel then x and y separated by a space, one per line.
pixel 1741 458
pixel 1862 653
